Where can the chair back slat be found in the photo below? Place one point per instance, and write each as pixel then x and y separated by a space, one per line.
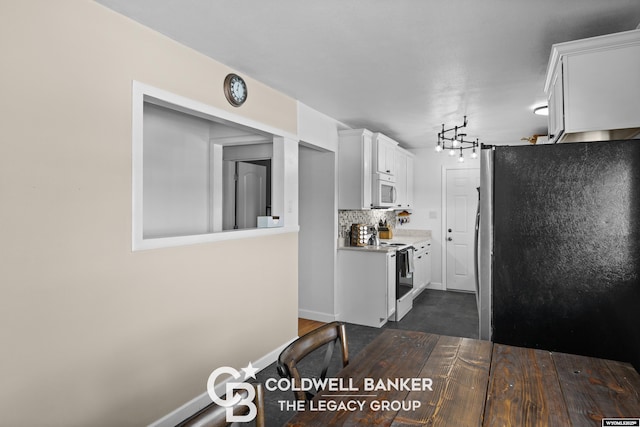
pixel 289 358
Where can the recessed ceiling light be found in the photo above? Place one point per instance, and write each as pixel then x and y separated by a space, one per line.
pixel 543 110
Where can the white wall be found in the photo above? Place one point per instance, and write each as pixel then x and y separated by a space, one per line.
pixel 92 333
pixel 176 174
pixel 317 129
pixel 428 211
pixel 317 235
pixel 318 219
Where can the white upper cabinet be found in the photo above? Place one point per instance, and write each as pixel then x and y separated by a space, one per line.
pixel 384 151
pixel 410 161
pixel 354 169
pixel 404 178
pixel 593 86
pixel 556 105
pixel 401 178
pixel 364 160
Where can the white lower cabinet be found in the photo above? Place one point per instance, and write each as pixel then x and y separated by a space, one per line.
pixel 421 266
pixel 366 286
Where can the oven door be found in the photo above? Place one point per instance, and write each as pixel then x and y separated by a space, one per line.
pixel 404 283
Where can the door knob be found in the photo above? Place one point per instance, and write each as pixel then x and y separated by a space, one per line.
pixel 449 230
pixel 450 239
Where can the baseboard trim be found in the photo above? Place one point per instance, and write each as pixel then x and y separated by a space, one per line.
pixel 436 286
pixel 203 400
pixel 316 315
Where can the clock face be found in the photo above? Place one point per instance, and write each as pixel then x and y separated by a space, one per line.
pixel 235 89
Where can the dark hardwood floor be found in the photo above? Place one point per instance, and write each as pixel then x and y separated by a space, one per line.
pixel 439 312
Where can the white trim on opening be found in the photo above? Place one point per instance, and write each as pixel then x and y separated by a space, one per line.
pixel 142 93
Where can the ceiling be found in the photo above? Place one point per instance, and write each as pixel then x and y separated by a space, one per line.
pixel 401 67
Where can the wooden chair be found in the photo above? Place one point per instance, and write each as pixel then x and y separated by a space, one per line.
pixel 327 335
pixel 215 415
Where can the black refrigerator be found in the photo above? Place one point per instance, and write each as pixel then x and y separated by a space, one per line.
pixel 559 248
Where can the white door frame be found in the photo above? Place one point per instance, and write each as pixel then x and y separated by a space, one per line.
pixel 443 227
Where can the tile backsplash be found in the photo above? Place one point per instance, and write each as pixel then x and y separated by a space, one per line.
pixel 373 216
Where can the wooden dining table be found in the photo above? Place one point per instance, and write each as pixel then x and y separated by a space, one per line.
pixel 408 378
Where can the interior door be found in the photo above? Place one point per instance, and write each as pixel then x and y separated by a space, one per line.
pixel 461 205
pixel 252 194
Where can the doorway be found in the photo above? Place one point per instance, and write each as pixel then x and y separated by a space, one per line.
pixel 246 193
pixel 460 203
pixel 318 219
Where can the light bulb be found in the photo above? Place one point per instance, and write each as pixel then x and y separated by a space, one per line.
pixel 452 152
pixel 455 143
pixel 474 155
pixel 438 148
pixel 461 159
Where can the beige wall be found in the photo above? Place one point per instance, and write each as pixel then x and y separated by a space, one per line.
pixel 91 333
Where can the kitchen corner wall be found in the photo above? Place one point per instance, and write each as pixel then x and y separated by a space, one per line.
pixel 92 333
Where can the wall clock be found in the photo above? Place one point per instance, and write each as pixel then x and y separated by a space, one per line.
pixel 235 89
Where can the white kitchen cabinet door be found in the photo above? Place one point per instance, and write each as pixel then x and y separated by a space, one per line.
pixel 404 178
pixel 427 268
pixel 593 88
pixel 602 89
pixel 556 106
pixel 409 196
pixel 389 157
pixel 364 286
pixel 418 273
pixel 354 169
pixel 421 265
pixel 401 178
pixel 384 151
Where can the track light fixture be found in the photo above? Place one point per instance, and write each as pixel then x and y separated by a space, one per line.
pixel 456 143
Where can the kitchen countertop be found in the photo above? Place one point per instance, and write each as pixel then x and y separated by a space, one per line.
pixel 409 237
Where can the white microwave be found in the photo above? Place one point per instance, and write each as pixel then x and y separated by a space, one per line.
pixel 384 192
